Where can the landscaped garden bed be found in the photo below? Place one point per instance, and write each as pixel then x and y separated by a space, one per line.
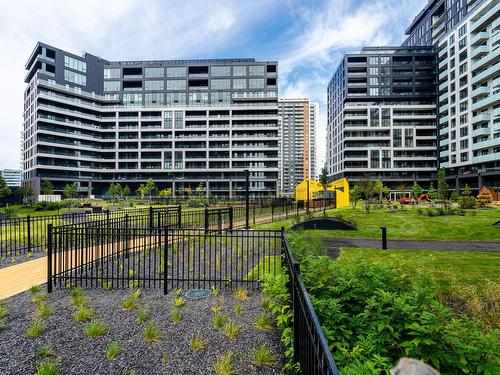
pixel 138 332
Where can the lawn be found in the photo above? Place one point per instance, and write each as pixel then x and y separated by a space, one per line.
pixel 477 225
pixel 467 281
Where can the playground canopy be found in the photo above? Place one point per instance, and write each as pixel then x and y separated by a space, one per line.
pixel 338 187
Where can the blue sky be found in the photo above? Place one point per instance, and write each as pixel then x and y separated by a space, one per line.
pixel 307 38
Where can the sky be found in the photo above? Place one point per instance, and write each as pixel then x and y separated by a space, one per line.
pixel 307 37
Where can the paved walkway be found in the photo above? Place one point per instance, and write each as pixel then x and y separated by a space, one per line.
pixel 414 244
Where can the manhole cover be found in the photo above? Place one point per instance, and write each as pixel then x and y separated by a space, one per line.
pixel 198 293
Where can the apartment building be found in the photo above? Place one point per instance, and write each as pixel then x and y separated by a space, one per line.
pixel 382 116
pixel 12 177
pixel 297 142
pixel 180 122
pixel 469 99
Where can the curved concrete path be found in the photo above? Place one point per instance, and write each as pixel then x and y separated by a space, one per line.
pixel 414 244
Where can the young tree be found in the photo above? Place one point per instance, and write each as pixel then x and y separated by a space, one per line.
pixel 71 190
pixel 4 189
pixel 355 195
pixel 188 191
pixel 484 198
pixel 432 192
pixel 200 189
pixel 368 189
pixel 443 189
pixel 47 188
pixel 150 188
pixel 324 180
pixel 380 189
pixel 25 192
pixel 126 191
pixel 141 191
pixel 115 190
pixel 466 200
pixel 416 190
pixel 454 196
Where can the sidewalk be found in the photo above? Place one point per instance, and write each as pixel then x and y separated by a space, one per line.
pixel 414 244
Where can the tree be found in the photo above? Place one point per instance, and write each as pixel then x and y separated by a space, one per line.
pixel 324 181
pixel 115 190
pixel 416 190
pixel 200 189
pixel 188 191
pixel 432 192
pixel 47 188
pixel 355 195
pixel 141 191
pixel 368 189
pixel 454 196
pixel 25 192
pixel 71 190
pixel 150 188
pixel 165 192
pixel 126 191
pixel 443 189
pixel 466 200
pixel 4 189
pixel 401 189
pixel 380 189
pixel 484 198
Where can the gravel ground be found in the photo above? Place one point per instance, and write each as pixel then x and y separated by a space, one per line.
pixel 13 258
pixel 80 354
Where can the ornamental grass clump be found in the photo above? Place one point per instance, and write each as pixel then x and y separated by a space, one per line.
pixel 176 316
pixel 113 350
pixel 48 367
pixel 219 321
pixel 241 294
pixel 263 356
pixel 180 302
pixel 78 297
pixel 224 364
pixel 34 330
pixel 264 322
pixel 151 333
pixel 197 342
pixel 231 329
pixel 95 329
pixel 83 315
pixel 143 315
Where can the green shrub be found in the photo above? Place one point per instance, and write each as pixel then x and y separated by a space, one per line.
pixel 95 329
pixel 34 330
pixel 84 315
pixel 466 202
pixel 113 350
pixel 48 367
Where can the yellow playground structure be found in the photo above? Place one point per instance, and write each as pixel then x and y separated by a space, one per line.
pixel 338 187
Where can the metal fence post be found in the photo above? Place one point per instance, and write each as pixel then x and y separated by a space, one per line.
pixel 165 263
pixel 254 214
pixel 29 231
pixel 126 236
pixel 206 218
pixel 150 217
pixel 49 258
pixel 107 218
pixel 179 217
pixel 247 199
pixel 158 224
pixel 272 212
pixel 286 210
pixel 231 218
pixel 384 238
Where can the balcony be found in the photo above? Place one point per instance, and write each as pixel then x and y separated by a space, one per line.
pixel 481 90
pixel 479 38
pixel 490 58
pixel 486 144
pixel 481 131
pixel 479 51
pixel 485 75
pixel 443 120
pixel 443 97
pixel 482 117
pixel 443 131
pixel 486 102
pixel 443 63
pixel 486 18
pixel 443 86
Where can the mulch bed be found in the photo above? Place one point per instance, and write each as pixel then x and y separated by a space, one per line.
pixel 79 354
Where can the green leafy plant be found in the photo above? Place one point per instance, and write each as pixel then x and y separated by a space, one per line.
pixel 151 333
pixel 224 364
pixel 231 329
pixel 113 350
pixel 3 311
pixel 39 298
pixel 263 356
pixel 78 297
pixel 84 315
pixel 197 342
pixel 264 322
pixel 95 329
pixel 238 309
pixel 35 289
pixel 143 315
pixel 34 330
pixel 266 304
pixel 178 292
pixel 215 291
pixel 48 367
pixel 45 351
pixel 219 321
pixel 165 358
pixel 131 301
pixel 176 316
pixel 216 309
pixel 180 302
pixel 44 311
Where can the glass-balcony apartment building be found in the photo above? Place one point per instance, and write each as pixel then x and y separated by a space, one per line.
pixel 297 141
pixel 180 122
pixel 382 116
pixel 467 36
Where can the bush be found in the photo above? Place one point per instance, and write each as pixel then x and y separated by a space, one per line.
pixel 382 316
pixel 198 202
pixel 484 198
pixel 466 202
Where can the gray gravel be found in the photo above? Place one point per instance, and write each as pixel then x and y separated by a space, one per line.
pixel 81 355
pixel 14 257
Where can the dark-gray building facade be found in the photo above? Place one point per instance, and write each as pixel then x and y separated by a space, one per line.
pixel 382 116
pixel 180 122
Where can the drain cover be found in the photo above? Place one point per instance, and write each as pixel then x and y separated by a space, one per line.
pixel 198 293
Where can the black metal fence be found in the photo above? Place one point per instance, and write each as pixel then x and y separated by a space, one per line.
pixel 29 234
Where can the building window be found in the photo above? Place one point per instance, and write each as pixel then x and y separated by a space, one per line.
pixel 374 91
pixel 374 120
pixel 132 98
pixel 462 30
pixel 153 72
pixel 220 84
pixel 112 85
pixel 198 98
pixel 374 81
pixel 178 160
pixel 176 98
pixel 256 83
pixel 373 60
pixel 373 71
pixel 176 84
pixel 384 60
pixel 167 120
pixel 178 120
pixel 221 97
pixel 153 99
pixel 73 77
pixel 153 85
pixel 75 64
pixel 176 72
pixel 386 117
pixel 167 160
pixel 256 70
pixel 464 131
pixel 239 70
pixel 220 71
pixel 463 119
pixel 112 73
pixel 239 84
